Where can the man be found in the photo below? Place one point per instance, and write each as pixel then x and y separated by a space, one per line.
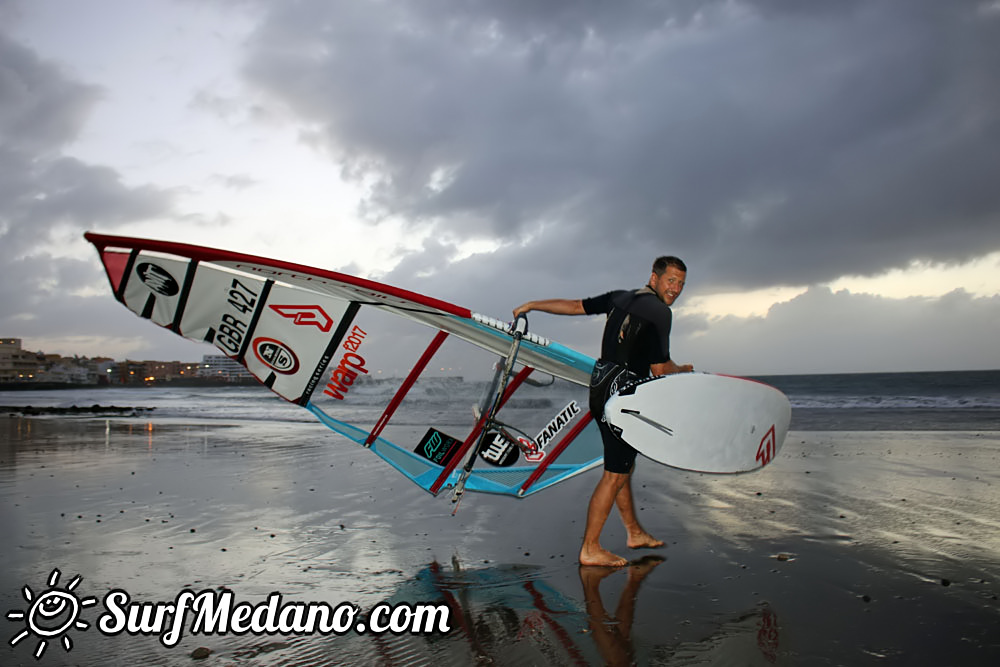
pixel 635 344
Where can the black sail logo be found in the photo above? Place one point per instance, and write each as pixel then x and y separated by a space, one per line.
pixel 157 279
pixel 276 355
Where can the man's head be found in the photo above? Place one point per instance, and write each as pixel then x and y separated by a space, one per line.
pixel 667 279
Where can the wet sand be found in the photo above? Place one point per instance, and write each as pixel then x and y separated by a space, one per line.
pixel 851 549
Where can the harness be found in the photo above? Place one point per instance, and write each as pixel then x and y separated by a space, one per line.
pixel 627 332
pixel 610 375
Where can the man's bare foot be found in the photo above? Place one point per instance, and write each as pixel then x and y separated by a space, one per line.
pixel 601 557
pixel 643 540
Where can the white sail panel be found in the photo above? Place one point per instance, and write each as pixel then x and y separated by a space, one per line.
pixel 154 287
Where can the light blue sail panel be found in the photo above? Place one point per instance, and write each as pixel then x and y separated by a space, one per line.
pixel 585 454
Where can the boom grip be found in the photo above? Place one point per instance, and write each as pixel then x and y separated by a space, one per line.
pixel 520 326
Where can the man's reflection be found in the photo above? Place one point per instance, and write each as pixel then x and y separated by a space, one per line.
pixel 517 614
pixel 613 633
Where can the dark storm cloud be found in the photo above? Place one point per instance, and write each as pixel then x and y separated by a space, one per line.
pixel 65 191
pixel 48 198
pixel 39 108
pixel 817 331
pixel 767 142
pixel 40 112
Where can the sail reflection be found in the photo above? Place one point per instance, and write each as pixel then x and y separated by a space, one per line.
pixel 526 614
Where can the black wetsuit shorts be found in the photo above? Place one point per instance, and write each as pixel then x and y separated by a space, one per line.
pixel 606 379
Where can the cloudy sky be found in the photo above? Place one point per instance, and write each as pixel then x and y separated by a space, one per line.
pixel 829 171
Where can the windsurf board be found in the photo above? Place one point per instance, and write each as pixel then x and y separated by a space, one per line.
pixel 702 421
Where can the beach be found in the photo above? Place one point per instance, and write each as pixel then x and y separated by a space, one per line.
pixel 852 548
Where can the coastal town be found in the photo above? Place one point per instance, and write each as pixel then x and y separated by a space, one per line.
pixel 27 369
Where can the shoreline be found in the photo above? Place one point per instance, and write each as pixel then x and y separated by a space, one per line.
pixel 36 411
pixel 156 384
pixel 986 425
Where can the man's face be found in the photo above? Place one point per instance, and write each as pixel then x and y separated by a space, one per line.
pixel 668 286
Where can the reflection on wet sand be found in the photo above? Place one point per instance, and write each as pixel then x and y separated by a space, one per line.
pixel 750 639
pixel 513 614
pixel 889 533
pixel 612 634
pixel 507 614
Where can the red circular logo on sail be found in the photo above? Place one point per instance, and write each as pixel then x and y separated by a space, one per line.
pixel 276 355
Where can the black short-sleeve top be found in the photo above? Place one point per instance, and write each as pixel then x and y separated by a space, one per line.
pixel 637 332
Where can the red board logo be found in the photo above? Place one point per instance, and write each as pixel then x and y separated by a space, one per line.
pixel 534 456
pixel 306 315
pixel 765 452
pixel 276 355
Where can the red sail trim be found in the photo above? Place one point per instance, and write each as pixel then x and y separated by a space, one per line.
pixel 453 463
pixel 115 264
pixel 405 387
pixel 556 451
pixel 102 241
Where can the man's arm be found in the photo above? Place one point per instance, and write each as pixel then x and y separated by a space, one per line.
pixel 668 367
pixel 554 306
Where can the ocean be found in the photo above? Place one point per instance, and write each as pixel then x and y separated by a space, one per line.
pixel 926 401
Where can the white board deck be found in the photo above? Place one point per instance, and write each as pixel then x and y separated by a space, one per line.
pixel 702 421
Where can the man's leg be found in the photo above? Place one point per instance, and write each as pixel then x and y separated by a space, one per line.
pixel 638 538
pixel 597 514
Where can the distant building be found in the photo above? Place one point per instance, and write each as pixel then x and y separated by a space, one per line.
pixel 66 371
pixel 161 371
pixel 17 365
pixel 221 366
pixel 189 369
pixel 130 372
pixel 20 367
pixel 167 371
pixel 107 370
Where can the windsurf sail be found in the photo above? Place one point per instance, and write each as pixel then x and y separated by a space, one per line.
pixel 309 335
